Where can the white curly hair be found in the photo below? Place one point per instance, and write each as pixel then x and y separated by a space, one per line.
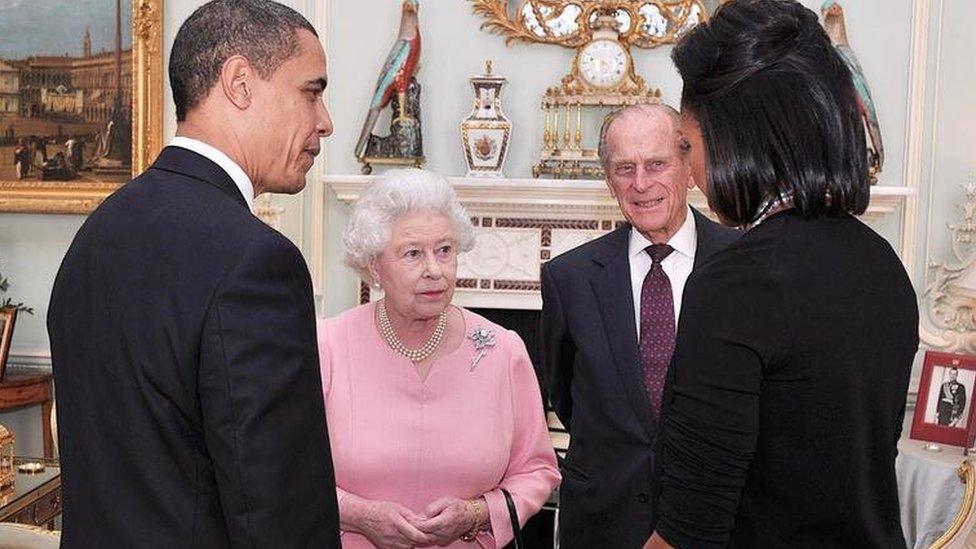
pixel 395 194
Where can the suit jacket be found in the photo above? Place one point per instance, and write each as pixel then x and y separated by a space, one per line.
pixel 189 399
pixel 591 369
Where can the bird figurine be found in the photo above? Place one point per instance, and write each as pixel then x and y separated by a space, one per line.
pixel 833 15
pixel 399 68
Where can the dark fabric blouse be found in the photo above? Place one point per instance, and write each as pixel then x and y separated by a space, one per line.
pixel 787 391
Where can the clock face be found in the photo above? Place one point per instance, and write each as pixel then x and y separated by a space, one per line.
pixel 603 63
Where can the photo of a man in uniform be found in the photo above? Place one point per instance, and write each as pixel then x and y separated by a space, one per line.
pixel 951 401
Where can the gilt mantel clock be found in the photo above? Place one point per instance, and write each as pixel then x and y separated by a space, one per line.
pixel 602 76
pixel 604 63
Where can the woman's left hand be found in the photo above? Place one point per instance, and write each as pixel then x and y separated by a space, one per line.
pixel 448 519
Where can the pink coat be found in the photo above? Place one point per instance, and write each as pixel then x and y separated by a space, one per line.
pixel 462 432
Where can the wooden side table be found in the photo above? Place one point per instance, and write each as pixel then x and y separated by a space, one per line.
pixel 35 498
pixel 18 390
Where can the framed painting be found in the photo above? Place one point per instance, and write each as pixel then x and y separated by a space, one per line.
pixel 7 317
pixel 81 91
pixel 944 411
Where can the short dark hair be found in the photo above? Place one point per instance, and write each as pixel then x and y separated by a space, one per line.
pixel 777 109
pixel 261 30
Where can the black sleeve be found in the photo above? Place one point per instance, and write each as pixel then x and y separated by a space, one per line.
pixel 727 333
pixel 262 405
pixel 557 350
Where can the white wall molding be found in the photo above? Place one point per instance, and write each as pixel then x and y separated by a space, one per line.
pixel 316 242
pixel 930 127
pixel 568 197
pixel 945 322
pixel 915 132
pixel 317 213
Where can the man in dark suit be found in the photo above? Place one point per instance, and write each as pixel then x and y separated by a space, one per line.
pixel 608 319
pixel 182 328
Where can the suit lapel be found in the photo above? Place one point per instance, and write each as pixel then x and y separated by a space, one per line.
pixel 612 286
pixel 709 238
pixel 188 163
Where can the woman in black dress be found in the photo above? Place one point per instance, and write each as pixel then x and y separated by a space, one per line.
pixel 787 389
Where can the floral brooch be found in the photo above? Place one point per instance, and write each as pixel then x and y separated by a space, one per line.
pixel 483 339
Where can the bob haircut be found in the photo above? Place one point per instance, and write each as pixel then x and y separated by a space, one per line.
pixel 395 194
pixel 777 110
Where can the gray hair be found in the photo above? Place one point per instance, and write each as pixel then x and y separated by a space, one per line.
pixel 261 30
pixel 395 194
pixel 647 109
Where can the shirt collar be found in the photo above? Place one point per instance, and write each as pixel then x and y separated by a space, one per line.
pixel 213 154
pixel 685 241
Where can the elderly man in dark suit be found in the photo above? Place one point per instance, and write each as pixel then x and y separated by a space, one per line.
pixel 182 327
pixel 609 313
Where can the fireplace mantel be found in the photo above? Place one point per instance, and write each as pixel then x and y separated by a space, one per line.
pixel 522 223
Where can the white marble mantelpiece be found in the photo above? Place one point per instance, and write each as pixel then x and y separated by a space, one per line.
pixel 522 223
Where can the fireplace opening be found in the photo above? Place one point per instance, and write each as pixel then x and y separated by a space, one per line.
pixel 524 322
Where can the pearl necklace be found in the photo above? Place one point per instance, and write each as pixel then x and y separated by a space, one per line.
pixel 415 355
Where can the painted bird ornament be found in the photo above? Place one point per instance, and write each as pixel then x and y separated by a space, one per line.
pixel 834 24
pixel 394 78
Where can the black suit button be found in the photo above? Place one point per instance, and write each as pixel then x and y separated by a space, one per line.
pixel 642 497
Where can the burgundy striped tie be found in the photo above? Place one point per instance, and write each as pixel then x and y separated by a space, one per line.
pixel 656 326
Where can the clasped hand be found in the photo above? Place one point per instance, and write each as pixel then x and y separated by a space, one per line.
pixel 389 525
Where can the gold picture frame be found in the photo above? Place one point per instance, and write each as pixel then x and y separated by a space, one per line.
pixel 8 316
pixel 73 197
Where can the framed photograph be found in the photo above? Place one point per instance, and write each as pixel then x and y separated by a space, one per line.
pixel 944 411
pixel 7 318
pixel 81 91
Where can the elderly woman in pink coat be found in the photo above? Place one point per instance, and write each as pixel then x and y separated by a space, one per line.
pixel 432 409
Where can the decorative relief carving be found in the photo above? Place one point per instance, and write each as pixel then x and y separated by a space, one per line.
pixel 949 304
pixel 565 240
pixel 145 24
pixel 266 211
pixel 516 285
pixel 578 224
pixel 502 254
pixel 553 209
pixel 570 23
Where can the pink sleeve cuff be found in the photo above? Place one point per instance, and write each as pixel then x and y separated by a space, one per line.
pixel 501 525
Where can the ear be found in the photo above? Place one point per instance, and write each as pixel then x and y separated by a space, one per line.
pixel 374 271
pixel 609 185
pixel 236 81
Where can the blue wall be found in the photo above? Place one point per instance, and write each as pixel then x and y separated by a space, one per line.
pixel 31 248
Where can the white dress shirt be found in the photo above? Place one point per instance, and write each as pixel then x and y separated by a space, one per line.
pixel 677 265
pixel 213 154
